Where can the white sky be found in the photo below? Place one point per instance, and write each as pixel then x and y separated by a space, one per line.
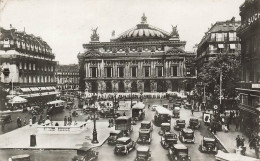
pixel 66 24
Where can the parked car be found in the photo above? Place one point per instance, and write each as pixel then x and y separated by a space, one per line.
pixel 124 145
pixel 143 153
pixel 208 145
pixel 187 136
pixel 168 139
pixel 147 125
pixel 179 124
pixel 178 152
pixel 145 136
pixel 194 123
pixel 114 135
pixel 5 119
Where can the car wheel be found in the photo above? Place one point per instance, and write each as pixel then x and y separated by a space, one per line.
pixel 127 151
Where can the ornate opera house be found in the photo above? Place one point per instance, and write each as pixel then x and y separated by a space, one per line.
pixel 141 59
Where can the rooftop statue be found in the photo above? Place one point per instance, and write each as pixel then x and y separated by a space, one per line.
pixel 174 32
pixel 113 33
pixel 94 35
pixel 143 19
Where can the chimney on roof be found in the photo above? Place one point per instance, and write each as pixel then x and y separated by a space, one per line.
pixel 24 29
pixel 11 27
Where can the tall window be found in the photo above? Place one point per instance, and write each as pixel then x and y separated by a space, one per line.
pixel 220 37
pixel 134 71
pixel 147 71
pixel 6 43
pixel 174 71
pixel 232 36
pixel 120 72
pixel 108 72
pixel 159 71
pixel 93 72
pixel 213 37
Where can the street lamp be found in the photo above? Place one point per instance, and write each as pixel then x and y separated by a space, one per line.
pixel 131 97
pixel 94 139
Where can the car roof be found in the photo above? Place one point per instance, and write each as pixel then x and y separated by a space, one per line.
pixel 180 120
pixel 165 124
pixel 170 133
pixel 123 139
pixel 192 119
pixel 139 105
pixel 123 118
pixel 186 130
pixel 143 148
pixel 163 110
pixel 209 139
pixel 115 131
pixel 145 122
pixel 179 146
pixel 144 130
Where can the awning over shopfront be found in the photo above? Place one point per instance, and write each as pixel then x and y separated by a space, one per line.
pixel 25 89
pixel 34 89
pixel 221 46
pixel 43 88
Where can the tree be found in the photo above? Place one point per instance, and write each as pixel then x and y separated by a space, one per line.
pixel 229 66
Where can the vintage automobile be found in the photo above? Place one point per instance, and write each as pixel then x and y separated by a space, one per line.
pixel 56 106
pixel 154 107
pixel 176 112
pixel 4 119
pixel 145 136
pixel 162 115
pixel 124 123
pixel 124 145
pixel 88 155
pixel 165 127
pixel 114 135
pixel 194 123
pixel 108 113
pixel 179 124
pixel 143 153
pixel 208 145
pixel 146 125
pixel 168 139
pixel 178 152
pixel 187 135
pixel 138 111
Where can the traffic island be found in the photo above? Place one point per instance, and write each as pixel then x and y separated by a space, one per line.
pixel 58 140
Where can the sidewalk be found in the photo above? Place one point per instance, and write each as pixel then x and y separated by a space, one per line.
pixel 228 140
pixel 20 138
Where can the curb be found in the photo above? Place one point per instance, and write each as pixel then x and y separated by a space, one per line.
pixel 220 142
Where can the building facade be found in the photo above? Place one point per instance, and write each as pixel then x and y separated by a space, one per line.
pixel 221 38
pixel 30 62
pixel 142 59
pixel 249 87
pixel 67 77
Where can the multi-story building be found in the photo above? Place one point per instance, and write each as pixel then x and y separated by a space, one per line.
pixel 142 59
pixel 249 87
pixel 67 77
pixel 221 38
pixel 30 61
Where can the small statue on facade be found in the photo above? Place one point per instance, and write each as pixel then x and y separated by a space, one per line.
pixel 94 35
pixel 174 32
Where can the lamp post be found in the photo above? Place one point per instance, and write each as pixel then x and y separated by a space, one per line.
pixel 94 139
pixel 131 97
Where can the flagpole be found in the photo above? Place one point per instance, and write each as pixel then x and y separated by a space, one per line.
pixel 12 91
pixel 220 91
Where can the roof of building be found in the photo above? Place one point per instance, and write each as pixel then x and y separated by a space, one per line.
pixel 144 32
pixel 67 68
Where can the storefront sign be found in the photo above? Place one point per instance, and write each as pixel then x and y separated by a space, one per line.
pixel 255 85
pixel 253 18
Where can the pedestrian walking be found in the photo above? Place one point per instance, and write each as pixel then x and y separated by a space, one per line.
pixel 237 123
pixel 30 121
pixel 109 122
pixel 242 141
pixel 228 122
pixel 192 110
pixel 124 114
pixel 65 120
pixel 238 140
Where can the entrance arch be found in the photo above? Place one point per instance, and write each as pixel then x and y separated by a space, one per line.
pixel 147 86
pixel 108 87
pixel 94 87
pixel 134 86
pixel 121 86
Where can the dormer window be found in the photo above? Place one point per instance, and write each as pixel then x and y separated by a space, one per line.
pixel 6 43
pixel 18 44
